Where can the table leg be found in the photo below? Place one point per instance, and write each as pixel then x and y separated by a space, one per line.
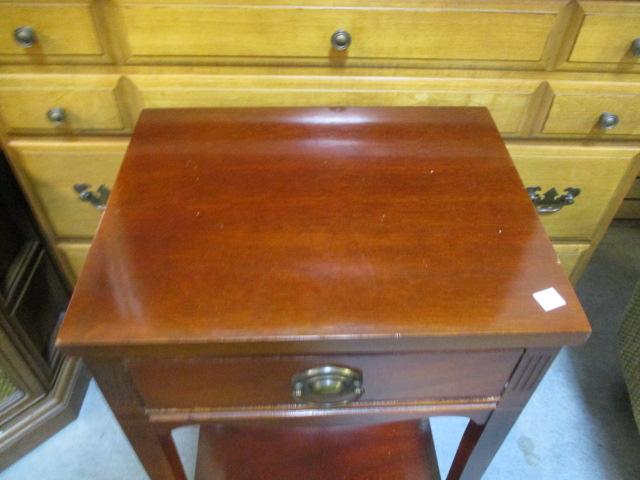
pixel 480 442
pixel 153 444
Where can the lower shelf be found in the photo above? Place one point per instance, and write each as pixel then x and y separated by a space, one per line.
pixel 393 451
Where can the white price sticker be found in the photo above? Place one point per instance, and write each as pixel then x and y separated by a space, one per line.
pixel 549 299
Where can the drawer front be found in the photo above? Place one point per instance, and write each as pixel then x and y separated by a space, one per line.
pixel 508 101
pixel 607 35
pixel 577 110
pixel 74 254
pixel 28 103
pixel 263 381
pixel 272 31
pixel 570 256
pixel 51 169
pixel 597 171
pixel 57 32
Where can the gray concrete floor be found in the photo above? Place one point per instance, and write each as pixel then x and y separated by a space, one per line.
pixel 578 425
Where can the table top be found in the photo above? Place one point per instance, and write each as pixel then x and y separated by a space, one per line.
pixel 266 230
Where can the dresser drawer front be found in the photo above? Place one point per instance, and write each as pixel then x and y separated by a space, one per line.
pixel 597 171
pixel 508 101
pixel 28 102
pixel 51 169
pixel 607 34
pixel 271 32
pixel 584 109
pixel 264 381
pixel 58 31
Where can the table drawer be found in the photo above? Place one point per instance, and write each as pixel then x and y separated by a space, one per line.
pixel 578 109
pixel 597 171
pixel 270 32
pixel 508 100
pixel 61 104
pixel 607 35
pixel 37 32
pixel 50 170
pixel 263 381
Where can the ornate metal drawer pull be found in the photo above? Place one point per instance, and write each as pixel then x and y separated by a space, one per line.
pixel 551 202
pixel 327 386
pixel 98 198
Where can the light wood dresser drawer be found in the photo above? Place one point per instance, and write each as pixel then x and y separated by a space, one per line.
pixel 609 35
pixel 44 32
pixel 266 381
pixel 61 104
pixel 508 100
pixel 595 110
pixel 273 31
pixel 596 171
pixel 51 169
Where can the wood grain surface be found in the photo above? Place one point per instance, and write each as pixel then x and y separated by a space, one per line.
pixel 398 227
pixel 395 451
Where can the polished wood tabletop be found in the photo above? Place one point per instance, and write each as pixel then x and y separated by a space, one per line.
pixel 302 228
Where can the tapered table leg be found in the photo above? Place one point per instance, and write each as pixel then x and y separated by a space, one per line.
pixel 154 445
pixel 480 442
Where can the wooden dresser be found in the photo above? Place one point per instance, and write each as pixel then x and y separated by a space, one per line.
pixel 560 78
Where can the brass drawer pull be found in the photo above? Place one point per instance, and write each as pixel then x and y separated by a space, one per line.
pixel 340 40
pixel 327 386
pixel 98 198
pixel 635 47
pixel 57 115
pixel 25 36
pixel 551 202
pixel 608 120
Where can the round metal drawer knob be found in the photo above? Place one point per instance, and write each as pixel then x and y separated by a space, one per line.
pixel 340 40
pixel 25 36
pixel 608 120
pixel 56 115
pixel 327 386
pixel 635 47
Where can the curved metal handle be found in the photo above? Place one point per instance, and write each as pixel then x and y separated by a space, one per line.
pixel 98 198
pixel 608 120
pixel 635 47
pixel 550 201
pixel 57 115
pixel 340 40
pixel 327 385
pixel 25 36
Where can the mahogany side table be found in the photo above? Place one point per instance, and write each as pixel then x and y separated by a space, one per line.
pixel 318 268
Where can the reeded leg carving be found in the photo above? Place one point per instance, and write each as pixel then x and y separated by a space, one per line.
pixel 480 442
